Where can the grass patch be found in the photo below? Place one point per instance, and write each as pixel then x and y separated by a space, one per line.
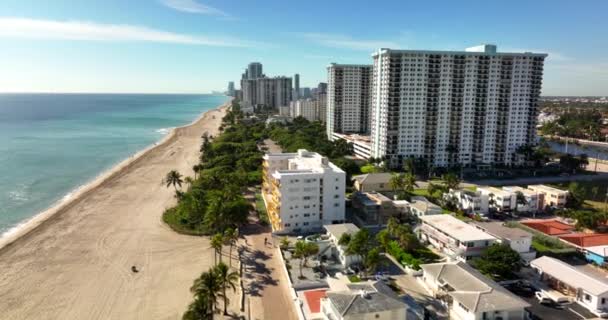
pixel 179 223
pixel 261 208
pixel 421 192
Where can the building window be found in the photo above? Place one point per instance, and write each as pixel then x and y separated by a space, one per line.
pixel 587 297
pixel 463 307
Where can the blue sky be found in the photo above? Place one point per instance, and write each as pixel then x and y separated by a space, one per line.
pixel 200 45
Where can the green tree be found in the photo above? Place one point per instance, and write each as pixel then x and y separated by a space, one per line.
pixel 228 280
pixel 498 262
pixel 372 260
pixel 173 178
pixel 451 180
pixel 409 182
pixel 359 243
pixel 207 288
pixel 344 239
pixel 284 243
pixel 198 310
pixel 384 238
pixel 576 195
pixel 217 242
pixel 303 251
pixel 231 235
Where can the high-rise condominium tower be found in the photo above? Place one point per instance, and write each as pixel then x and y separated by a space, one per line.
pixel 449 107
pixel 254 70
pixel 296 89
pixel 348 98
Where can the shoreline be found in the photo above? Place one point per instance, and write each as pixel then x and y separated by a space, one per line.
pixel 10 236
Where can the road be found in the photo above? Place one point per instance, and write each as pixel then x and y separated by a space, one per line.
pixel 266 284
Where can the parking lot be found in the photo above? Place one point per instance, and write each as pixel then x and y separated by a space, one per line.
pixel 540 311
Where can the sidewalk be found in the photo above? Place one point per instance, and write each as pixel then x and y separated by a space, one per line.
pixel 266 286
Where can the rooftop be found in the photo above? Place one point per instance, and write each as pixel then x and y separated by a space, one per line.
pixel 363 298
pixel 499 230
pixel 383 177
pixel 599 250
pixel 573 277
pixel 586 239
pixel 423 204
pixel 475 291
pixel 456 228
pixel 473 51
pixel 313 299
pixel 337 230
pixel 547 188
pixel 550 227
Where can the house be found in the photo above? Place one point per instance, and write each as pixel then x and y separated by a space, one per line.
pixel 367 300
pixel 597 255
pixel 302 191
pixel 421 206
pixel 469 201
pixel 469 294
pixel 374 208
pixel 373 182
pixel 334 233
pixel 588 290
pixel 454 237
pixel 530 198
pixel 516 238
pixel 550 227
pixel 549 196
pixel 584 240
pixel 498 199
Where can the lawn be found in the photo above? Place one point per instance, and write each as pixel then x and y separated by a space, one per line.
pixel 261 208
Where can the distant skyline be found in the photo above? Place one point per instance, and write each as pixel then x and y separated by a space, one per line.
pixel 195 46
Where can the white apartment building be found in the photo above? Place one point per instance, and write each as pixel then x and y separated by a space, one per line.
pixel 469 201
pixel 499 199
pixel 348 93
pixel 469 294
pixel 530 196
pixel 518 239
pixel 306 108
pixel 302 191
pixel 259 90
pixel 549 196
pixel 457 239
pixel 454 107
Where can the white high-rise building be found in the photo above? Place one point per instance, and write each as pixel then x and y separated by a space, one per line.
pixel 348 98
pixel 302 191
pixel 451 107
pixel 270 92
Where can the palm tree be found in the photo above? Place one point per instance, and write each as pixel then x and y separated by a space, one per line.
pixel 451 180
pixel 198 310
pixel 217 241
pixel 396 182
pixel 207 288
pixel 196 168
pixel 228 279
pixel 303 250
pixel 409 182
pixel 284 243
pixel 173 178
pixel 231 235
pixel 189 181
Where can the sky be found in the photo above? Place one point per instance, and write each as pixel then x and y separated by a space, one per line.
pixel 196 46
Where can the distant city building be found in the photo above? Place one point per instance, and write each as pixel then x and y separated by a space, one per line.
pixel 305 92
pixel 254 70
pixel 306 108
pixel 321 100
pixel 302 191
pixel 259 90
pixel 454 107
pixel 230 91
pixel 296 89
pixel 348 98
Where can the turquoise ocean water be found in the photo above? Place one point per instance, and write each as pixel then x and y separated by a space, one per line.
pixel 51 144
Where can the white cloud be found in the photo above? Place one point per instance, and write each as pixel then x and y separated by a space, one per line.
pixel 91 31
pixel 192 6
pixel 346 42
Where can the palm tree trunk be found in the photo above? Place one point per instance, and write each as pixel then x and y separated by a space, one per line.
pixel 215 257
pixel 225 302
pixel 230 255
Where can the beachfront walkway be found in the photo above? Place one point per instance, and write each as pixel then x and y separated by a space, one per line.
pixel 265 282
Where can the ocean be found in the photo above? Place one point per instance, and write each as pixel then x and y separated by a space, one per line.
pixel 51 144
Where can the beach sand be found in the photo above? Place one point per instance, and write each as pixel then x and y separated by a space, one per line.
pixel 74 261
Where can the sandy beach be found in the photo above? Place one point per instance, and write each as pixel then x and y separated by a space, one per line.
pixel 73 261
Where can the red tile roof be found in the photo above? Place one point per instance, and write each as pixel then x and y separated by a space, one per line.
pixel 313 298
pixel 550 227
pixel 586 239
